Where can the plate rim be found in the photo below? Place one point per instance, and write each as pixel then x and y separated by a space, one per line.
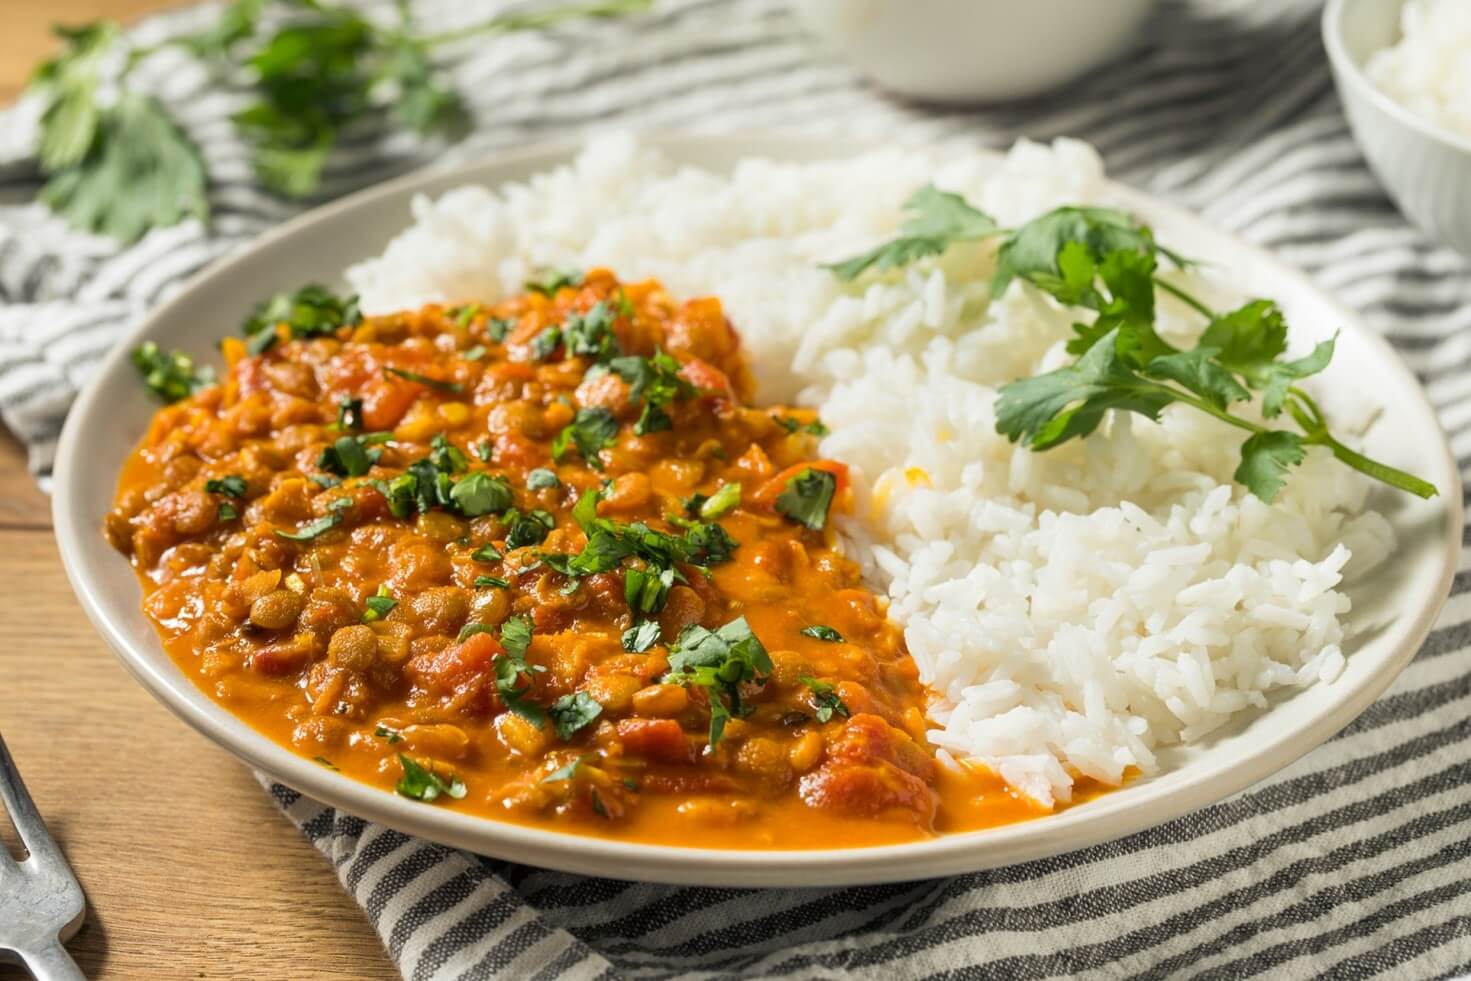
pixel 1097 821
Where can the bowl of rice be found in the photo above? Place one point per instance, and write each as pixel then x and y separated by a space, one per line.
pixel 1403 71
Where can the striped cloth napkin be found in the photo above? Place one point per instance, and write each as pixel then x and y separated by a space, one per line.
pixel 1355 861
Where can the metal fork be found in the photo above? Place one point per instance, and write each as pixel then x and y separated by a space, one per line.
pixel 41 904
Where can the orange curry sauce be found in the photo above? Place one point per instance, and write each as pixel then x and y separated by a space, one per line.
pixel 428 464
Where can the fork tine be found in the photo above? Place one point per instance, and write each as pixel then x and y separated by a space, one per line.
pixel 23 813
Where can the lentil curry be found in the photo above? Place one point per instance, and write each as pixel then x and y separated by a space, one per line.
pixel 540 562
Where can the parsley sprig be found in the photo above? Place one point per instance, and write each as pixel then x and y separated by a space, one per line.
pixel 1102 260
pixel 118 164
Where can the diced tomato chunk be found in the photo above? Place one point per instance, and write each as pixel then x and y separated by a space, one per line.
pixel 768 492
pixel 456 662
pixel 657 740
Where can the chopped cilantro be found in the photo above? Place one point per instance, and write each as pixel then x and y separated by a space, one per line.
pixel 349 413
pixel 311 311
pixel 825 699
pixel 478 494
pixel 655 381
pixel 549 281
pixel 726 499
pixel 813 428
pixel 647 590
pixel 590 431
pixel 463 315
pixel 420 783
pixel 227 511
pixel 413 376
pixel 487 582
pixel 641 636
pixel 497 328
pixel 326 762
pixel 447 456
pixel 392 735
pixel 939 219
pixel 545 344
pixel 172 376
pixel 516 635
pixel 527 529
pixel 590 334
pixel 571 713
pixel 541 478
pixel 379 605
pixel 821 632
pixel 719 661
pixel 475 353
pixel 565 772
pixel 320 526
pixel 350 456
pixel 807 498
pixel 486 553
pixel 231 486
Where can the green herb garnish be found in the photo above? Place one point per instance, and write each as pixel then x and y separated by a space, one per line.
pixel 392 735
pixel 172 376
pixel 807 498
pixel 940 219
pixel 232 485
pixel 491 582
pixel 320 526
pixel 524 530
pixel 351 456
pixel 420 783
pixel 821 632
pixel 719 661
pixel 379 605
pixel 486 553
pixel 825 700
pixel 350 412
pixel 414 376
pixel 590 431
pixel 657 383
pixel 641 636
pixel 541 479
pixel 571 713
pixel 311 311
pixel 726 499
pixel 590 334
pixel 478 494
pixel 549 281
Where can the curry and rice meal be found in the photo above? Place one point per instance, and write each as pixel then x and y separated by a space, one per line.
pixel 684 532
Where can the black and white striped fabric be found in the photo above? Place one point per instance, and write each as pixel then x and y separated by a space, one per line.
pixel 1354 862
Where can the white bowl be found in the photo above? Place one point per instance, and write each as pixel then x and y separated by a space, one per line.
pixel 965 51
pixel 1424 167
pixel 1398 602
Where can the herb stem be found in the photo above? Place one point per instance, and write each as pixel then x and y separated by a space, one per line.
pixel 537 19
pixel 1182 396
pixel 1186 298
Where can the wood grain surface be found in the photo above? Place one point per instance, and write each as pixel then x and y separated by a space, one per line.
pixel 189 869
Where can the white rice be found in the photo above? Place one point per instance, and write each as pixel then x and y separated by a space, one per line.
pixel 1429 69
pixel 1074 610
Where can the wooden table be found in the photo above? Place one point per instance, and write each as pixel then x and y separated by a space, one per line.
pixel 190 870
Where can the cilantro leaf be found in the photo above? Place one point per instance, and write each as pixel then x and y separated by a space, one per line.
pixel 422 783
pixel 232 485
pixel 1071 401
pixel 311 311
pixel 647 590
pixel 350 456
pixel 527 529
pixel 542 479
pixel 414 376
pixel 825 699
pixel 657 383
pixel 1198 371
pixel 486 553
pixel 1278 377
pixel 1265 459
pixel 590 431
pixel 172 376
pixel 571 713
pixel 641 636
pixel 549 281
pixel 478 493
pixel 821 632
pixel 807 498
pixel 1031 252
pixel 726 499
pixel 321 525
pixel 379 605
pixel 590 334
pixel 719 661
pixel 938 220
pixel 139 172
pixel 516 635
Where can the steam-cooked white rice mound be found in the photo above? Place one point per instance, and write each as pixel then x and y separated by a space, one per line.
pixel 1075 609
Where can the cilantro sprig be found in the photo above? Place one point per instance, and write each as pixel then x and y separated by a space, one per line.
pixel 720 662
pixel 1102 260
pixel 117 163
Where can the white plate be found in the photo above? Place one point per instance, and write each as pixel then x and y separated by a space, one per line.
pixel 1403 597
